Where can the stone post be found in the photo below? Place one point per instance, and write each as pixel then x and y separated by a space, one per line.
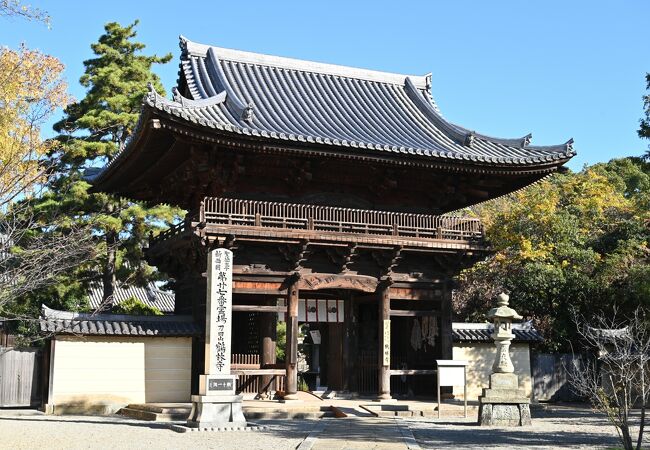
pixel 383 362
pixel 503 403
pixel 217 405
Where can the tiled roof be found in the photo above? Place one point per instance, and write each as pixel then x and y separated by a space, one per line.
pixel 64 322
pixel 481 332
pixel 149 295
pixel 284 99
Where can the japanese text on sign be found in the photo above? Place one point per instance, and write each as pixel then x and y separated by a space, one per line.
pixel 220 304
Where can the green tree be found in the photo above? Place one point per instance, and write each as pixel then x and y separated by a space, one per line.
pixel 644 129
pixel 573 241
pixel 136 307
pixel 92 132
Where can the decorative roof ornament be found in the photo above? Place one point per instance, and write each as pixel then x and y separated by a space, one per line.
pixel 176 95
pixel 152 96
pixel 182 42
pixel 526 140
pixel 427 79
pixel 569 146
pixel 248 113
pixel 469 140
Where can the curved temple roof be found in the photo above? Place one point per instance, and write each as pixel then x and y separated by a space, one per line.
pixel 301 103
pixel 297 100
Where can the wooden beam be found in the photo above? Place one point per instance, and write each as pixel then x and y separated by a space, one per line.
pixel 402 293
pixel 411 313
pixel 280 372
pixel 260 308
pixel 413 372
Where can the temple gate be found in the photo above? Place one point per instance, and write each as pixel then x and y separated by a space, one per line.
pixel 329 184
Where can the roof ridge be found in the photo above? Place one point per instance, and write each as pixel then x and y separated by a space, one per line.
pixel 49 313
pixel 282 62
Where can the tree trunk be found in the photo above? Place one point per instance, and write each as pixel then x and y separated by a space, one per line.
pixel 643 406
pixel 109 271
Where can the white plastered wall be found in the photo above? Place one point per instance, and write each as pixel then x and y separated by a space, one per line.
pixel 104 373
pixel 480 357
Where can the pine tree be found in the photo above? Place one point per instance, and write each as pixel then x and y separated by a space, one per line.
pixel 92 131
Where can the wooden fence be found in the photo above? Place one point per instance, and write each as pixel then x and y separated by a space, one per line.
pixel 19 377
pixel 367 373
pixel 252 384
pixel 550 373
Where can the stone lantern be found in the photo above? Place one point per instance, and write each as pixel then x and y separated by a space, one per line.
pixel 503 403
pixel 502 317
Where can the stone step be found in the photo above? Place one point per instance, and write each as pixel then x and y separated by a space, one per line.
pixel 162 408
pixel 180 412
pixel 141 414
pixel 399 410
pixel 298 411
pixel 332 395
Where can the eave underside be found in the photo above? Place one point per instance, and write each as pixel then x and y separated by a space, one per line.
pixel 173 162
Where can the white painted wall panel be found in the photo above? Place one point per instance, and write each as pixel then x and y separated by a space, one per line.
pixel 117 371
pixel 480 357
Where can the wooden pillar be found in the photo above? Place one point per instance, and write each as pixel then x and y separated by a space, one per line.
pixel 445 323
pixel 384 342
pixel 291 353
pixel 349 345
pixel 268 336
pixel 446 339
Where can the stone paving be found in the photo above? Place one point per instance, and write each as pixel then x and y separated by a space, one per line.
pixel 566 428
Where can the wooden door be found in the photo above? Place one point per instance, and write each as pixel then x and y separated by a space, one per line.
pixel 335 356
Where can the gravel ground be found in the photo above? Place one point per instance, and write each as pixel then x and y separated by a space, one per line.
pixel 567 428
pixel 92 432
pixel 560 428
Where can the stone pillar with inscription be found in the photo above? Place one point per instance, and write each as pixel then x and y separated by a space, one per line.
pixel 504 403
pixel 217 405
pixel 384 342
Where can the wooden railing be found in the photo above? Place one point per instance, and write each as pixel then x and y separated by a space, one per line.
pixel 293 216
pixel 248 367
pixel 169 232
pixel 224 211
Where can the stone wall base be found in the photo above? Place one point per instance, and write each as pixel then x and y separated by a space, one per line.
pixel 504 414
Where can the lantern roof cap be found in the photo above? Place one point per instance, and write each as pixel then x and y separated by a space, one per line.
pixel 503 311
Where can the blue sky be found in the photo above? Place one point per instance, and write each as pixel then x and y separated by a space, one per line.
pixel 558 69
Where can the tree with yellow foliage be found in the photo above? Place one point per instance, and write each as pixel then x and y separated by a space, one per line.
pixel 572 241
pixel 31 90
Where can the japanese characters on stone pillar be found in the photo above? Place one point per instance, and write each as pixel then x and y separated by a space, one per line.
pixel 219 317
pixel 217 404
pixel 218 325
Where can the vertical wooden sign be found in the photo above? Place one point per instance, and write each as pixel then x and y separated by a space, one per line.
pixel 218 324
pixel 386 349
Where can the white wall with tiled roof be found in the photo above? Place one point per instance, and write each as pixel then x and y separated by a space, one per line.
pixel 102 374
pixel 480 357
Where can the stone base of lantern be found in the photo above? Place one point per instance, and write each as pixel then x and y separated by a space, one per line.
pixel 210 411
pixel 504 404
